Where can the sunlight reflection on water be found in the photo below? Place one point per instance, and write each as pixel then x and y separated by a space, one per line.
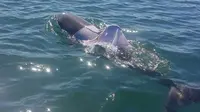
pixel 35 67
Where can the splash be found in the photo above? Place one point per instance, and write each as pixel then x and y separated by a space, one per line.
pixel 134 56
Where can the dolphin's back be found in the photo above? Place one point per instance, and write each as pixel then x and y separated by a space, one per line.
pixel 77 27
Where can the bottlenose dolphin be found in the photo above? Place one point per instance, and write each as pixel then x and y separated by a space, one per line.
pixel 180 94
pixel 81 30
pixel 87 33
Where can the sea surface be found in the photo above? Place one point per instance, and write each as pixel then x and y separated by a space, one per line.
pixel 40 72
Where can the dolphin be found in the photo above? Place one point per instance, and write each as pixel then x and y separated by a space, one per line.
pixel 82 30
pixel 179 94
pixel 87 33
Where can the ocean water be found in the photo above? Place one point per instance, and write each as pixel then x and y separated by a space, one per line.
pixel 40 72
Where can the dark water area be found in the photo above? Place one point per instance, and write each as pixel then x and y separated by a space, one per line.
pixel 39 72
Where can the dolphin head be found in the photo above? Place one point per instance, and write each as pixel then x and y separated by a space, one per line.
pixel 77 27
pixel 181 96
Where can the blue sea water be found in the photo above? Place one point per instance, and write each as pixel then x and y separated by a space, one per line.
pixel 41 73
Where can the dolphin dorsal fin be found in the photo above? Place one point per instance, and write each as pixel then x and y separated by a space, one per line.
pixel 114 35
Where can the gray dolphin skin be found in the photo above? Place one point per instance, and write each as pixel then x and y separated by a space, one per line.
pixel 179 95
pixel 77 27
